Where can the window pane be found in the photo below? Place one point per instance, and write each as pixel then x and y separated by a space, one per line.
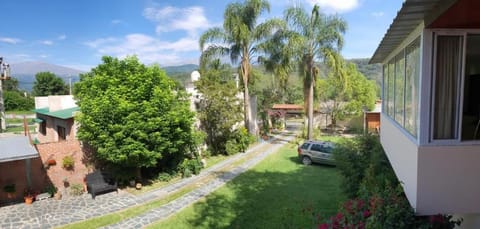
pixel 471 90
pixel 399 87
pixel 447 80
pixel 385 89
pixel 412 81
pixel 391 76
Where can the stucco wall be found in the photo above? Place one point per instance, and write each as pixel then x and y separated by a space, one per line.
pixel 402 153
pixel 448 179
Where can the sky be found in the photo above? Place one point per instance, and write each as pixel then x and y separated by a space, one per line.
pixel 77 34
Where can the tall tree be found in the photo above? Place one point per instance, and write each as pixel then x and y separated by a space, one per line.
pixel 47 83
pixel 280 60
pixel 238 39
pixel 346 91
pixel 314 36
pixel 132 115
pixel 218 111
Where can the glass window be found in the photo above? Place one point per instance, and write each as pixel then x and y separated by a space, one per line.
pixel 305 146
pixel 399 87
pixel 471 90
pixel 391 77
pixel 385 89
pixel 448 69
pixel 316 147
pixel 412 81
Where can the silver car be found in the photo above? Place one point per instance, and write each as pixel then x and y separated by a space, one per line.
pixel 316 151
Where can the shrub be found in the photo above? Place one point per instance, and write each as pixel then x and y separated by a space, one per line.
pixel 186 173
pixel 189 166
pixel 50 189
pixel 377 198
pixel 164 177
pixel 231 147
pixel 68 162
pixel 76 189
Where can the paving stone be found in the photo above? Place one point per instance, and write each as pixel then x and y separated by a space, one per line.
pixel 52 213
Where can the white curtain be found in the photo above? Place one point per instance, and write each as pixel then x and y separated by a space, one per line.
pixel 447 80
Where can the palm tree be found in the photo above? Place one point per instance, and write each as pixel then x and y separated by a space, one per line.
pixel 238 39
pixel 280 59
pixel 315 37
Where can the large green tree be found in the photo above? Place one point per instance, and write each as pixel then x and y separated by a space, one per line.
pixel 47 83
pixel 346 91
pixel 16 100
pixel 219 109
pixel 238 39
pixel 133 116
pixel 313 36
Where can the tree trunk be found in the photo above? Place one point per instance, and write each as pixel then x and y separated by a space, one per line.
pixel 246 95
pixel 138 173
pixel 311 81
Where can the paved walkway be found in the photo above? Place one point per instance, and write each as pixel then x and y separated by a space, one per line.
pixel 50 213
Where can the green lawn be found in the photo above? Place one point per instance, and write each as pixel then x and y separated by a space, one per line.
pixel 20 112
pixel 277 193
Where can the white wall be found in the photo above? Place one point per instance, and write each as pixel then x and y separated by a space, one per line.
pixel 402 153
pixel 449 179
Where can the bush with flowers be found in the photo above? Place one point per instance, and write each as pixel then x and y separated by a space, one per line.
pixel 377 198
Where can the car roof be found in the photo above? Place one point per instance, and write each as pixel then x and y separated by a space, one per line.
pixel 325 143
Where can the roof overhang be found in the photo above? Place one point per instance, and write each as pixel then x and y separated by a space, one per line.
pixel 412 13
pixel 16 148
pixel 61 114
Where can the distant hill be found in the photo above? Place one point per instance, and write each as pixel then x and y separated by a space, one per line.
pixel 180 73
pixel 25 72
pixel 181 68
pixel 371 71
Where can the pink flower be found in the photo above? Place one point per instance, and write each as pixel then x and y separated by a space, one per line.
pixel 366 214
pixel 323 226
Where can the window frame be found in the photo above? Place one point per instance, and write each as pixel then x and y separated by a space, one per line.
pixel 433 33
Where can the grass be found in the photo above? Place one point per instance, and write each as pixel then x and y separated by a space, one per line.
pixel 19 129
pixel 19 120
pixel 277 193
pixel 20 112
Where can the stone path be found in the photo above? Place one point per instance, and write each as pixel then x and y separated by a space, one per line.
pixel 50 213
pixel 186 200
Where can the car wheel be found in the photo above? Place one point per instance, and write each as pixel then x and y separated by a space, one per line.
pixel 306 160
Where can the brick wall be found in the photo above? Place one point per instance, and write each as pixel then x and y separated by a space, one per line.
pixel 15 172
pixel 57 151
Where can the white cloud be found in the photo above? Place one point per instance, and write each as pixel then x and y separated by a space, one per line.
pixel 148 49
pixel 43 56
pixel 378 14
pixel 62 37
pixel 99 42
pixel 335 5
pixel 170 18
pixel 10 40
pixel 47 42
pixel 116 21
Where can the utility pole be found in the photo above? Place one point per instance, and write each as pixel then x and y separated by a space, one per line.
pixel 70 84
pixel 4 75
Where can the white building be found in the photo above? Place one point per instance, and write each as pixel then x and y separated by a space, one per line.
pixel 431 105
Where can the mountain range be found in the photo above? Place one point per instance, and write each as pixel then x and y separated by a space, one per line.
pixel 25 72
